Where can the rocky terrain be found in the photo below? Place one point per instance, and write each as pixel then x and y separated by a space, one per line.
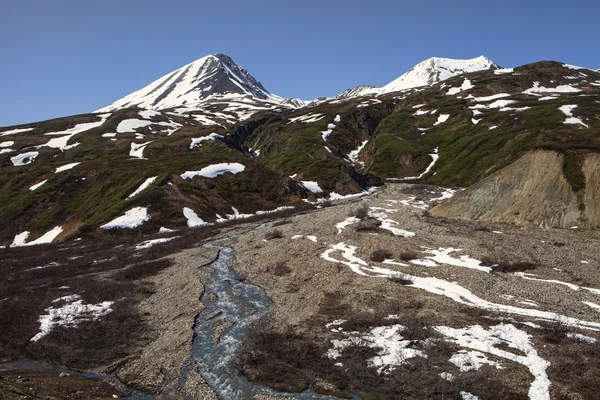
pixel 205 238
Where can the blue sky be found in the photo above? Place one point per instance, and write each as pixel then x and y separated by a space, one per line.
pixel 66 57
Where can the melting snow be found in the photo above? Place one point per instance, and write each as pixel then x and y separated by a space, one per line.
pixel 466 85
pixel 312 186
pixel 214 170
pixel 307 118
pixel 353 155
pixel 24 158
pixel 15 131
pixel 442 256
pixel 559 89
pixel 325 134
pixel 348 221
pixel 132 219
pixel 441 119
pixel 392 349
pixel 444 288
pixel 7 143
pixel 70 314
pixel 503 71
pixel 130 125
pixel 143 186
pixel 479 338
pixel 137 150
pixel 582 338
pixel 37 185
pixel 472 360
pixel 434 157
pixel 568 111
pixel 197 141
pixel 149 243
pixel 48 237
pixel 66 167
pixel 61 142
pixel 489 98
pixel 193 220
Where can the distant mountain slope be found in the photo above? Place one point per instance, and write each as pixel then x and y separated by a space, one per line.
pixel 425 73
pixel 213 76
pixel 219 160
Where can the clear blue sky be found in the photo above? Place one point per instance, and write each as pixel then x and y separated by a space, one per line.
pixel 65 57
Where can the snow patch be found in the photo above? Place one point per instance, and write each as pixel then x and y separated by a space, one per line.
pixel 24 158
pixel 214 170
pixel 132 219
pixel 197 141
pixel 193 220
pixel 312 186
pixel 70 314
pixel 66 167
pixel 37 185
pixel 143 187
pixel 485 340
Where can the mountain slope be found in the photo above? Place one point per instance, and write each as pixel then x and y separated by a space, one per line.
pixel 81 172
pixel 213 76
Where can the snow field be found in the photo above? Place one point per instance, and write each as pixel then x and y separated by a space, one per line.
pixel 214 170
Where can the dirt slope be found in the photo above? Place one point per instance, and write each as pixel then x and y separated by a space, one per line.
pixel 532 190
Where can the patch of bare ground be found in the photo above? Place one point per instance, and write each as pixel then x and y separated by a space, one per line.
pixel 310 292
pixel 49 385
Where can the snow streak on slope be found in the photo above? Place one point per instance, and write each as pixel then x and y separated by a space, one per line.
pixel 437 69
pixel 213 76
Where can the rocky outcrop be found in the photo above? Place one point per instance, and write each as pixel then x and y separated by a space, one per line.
pixel 531 190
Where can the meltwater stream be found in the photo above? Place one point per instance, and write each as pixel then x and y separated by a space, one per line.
pixel 231 306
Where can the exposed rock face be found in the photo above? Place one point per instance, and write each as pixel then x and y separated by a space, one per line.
pixel 531 190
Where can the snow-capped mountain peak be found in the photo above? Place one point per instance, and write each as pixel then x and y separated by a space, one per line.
pixel 213 76
pixel 436 69
pixel 428 72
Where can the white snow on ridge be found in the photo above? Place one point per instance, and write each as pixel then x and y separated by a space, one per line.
pixel 15 131
pixel 66 167
pixel 24 158
pixel 437 69
pixel 559 89
pixel 65 136
pixel 143 186
pixel 214 170
pixel 504 71
pixel 132 219
pixel 70 314
pixel 7 143
pixel 312 186
pixel 148 114
pixel 197 141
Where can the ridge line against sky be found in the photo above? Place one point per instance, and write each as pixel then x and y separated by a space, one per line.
pixel 68 57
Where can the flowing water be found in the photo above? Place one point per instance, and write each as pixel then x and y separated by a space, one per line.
pixel 231 306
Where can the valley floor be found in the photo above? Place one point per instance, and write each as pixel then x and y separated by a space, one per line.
pixel 373 298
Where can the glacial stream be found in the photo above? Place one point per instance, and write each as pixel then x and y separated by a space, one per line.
pixel 231 306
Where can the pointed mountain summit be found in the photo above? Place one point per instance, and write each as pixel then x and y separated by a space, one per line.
pixel 428 72
pixel 437 69
pixel 215 76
